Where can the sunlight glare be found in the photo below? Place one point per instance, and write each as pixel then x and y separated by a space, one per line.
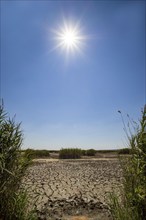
pixel 69 38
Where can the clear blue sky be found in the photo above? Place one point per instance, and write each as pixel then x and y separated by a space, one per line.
pixel 71 99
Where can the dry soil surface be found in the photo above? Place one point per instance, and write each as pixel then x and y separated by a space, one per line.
pixel 72 189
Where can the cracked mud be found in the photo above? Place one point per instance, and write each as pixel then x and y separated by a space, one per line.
pixel 63 188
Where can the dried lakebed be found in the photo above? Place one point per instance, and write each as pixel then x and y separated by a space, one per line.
pixel 66 188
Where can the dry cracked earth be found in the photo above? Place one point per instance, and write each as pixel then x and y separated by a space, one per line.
pixel 72 189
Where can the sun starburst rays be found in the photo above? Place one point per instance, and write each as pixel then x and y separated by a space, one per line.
pixel 69 38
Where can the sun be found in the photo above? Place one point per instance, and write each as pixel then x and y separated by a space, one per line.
pixel 69 38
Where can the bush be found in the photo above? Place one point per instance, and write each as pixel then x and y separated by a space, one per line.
pixel 70 153
pixel 13 164
pixel 133 205
pixel 91 152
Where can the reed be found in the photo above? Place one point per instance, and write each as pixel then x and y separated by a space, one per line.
pixel 37 153
pixel 70 153
pixel 132 204
pixel 13 164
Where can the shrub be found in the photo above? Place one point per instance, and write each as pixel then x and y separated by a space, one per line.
pixel 91 152
pixel 13 164
pixel 70 153
pixel 133 205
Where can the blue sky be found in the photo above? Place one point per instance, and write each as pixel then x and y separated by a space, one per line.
pixel 71 99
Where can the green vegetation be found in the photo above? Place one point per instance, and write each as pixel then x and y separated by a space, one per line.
pixel 37 153
pixel 90 152
pixel 70 153
pixel 13 164
pixel 53 151
pixel 107 151
pixel 83 152
pixel 132 205
pixel 124 151
pixel 75 153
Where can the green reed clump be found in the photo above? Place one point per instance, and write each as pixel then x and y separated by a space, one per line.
pixel 83 152
pixel 124 151
pixel 13 164
pixel 70 153
pixel 37 153
pixel 132 205
pixel 90 152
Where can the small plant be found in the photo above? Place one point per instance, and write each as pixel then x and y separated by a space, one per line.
pixel 13 164
pixel 70 153
pixel 133 201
